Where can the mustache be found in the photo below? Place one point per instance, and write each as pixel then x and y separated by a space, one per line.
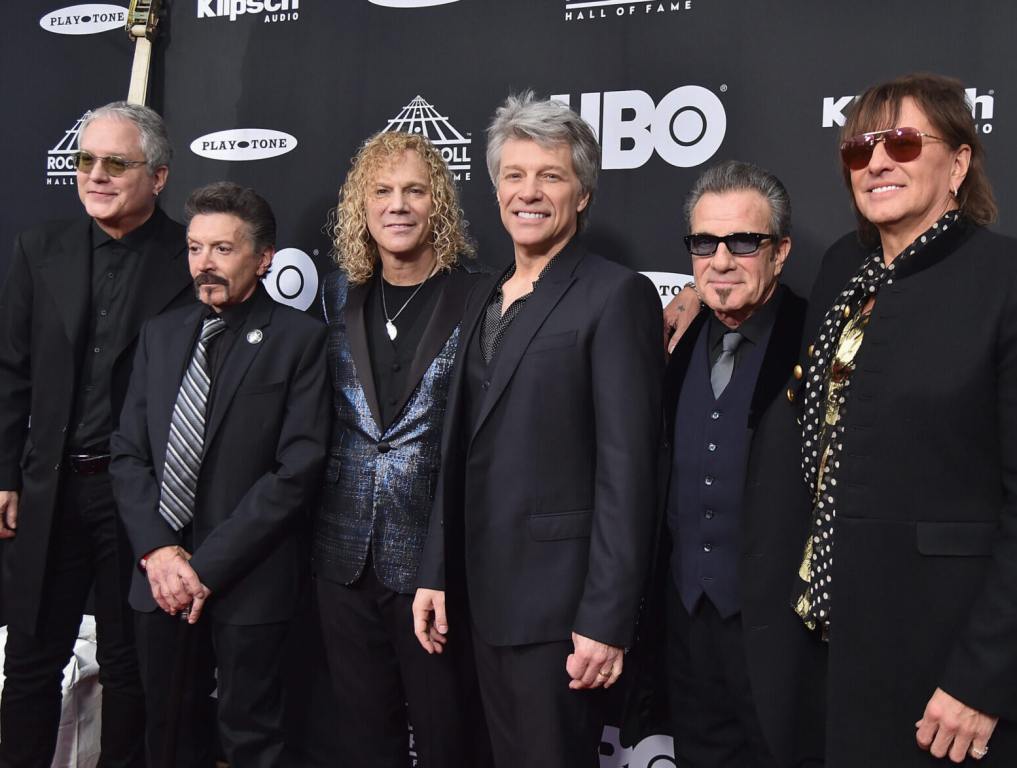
pixel 207 278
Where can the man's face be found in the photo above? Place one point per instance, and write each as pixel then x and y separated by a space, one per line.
pixel 735 286
pixel 539 195
pixel 118 203
pixel 223 261
pixel 399 207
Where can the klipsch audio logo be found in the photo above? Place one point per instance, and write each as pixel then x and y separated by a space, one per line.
pixel 420 117
pixel 594 10
pixel 271 10
pixel 686 128
pixel 87 19
pixel 293 279
pixel 411 3
pixel 243 144
pixel 60 160
pixel 983 106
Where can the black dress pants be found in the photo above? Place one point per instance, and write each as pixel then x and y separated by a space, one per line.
pixel 181 665
pixel 713 715
pixel 382 677
pixel 87 546
pixel 534 718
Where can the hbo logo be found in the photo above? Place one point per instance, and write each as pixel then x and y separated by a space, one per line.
pixel 686 128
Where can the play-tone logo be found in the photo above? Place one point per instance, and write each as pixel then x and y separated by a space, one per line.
pixel 86 19
pixel 595 10
pixel 273 10
pixel 293 279
pixel 983 107
pixel 60 159
pixel 686 128
pixel 669 284
pixel 411 3
pixel 421 117
pixel 243 144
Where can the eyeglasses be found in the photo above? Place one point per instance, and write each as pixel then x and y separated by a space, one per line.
pixel 114 165
pixel 737 243
pixel 901 144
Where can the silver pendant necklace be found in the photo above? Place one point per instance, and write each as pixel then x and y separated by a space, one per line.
pixel 390 326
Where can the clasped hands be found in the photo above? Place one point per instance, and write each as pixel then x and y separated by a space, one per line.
pixel 175 584
pixel 591 664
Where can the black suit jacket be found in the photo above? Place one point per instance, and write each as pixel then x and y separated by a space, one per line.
pixel 550 493
pixel 44 309
pixel 925 572
pixel 265 443
pixel 785 662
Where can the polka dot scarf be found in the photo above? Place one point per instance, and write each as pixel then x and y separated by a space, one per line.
pixel 823 437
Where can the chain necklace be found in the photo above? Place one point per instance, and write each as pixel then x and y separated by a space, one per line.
pixel 390 325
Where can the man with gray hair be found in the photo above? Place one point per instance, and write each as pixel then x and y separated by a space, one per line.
pixel 744 680
pixel 545 500
pixel 76 295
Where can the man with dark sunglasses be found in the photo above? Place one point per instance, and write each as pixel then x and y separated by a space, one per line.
pixel 744 680
pixel 70 310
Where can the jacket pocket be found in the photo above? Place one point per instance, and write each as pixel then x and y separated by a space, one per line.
pixel 561 525
pixel 552 341
pixel 955 539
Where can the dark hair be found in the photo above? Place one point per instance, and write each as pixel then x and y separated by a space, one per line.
pixel 944 103
pixel 735 176
pixel 242 202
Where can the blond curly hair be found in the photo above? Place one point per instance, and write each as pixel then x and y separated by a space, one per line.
pixel 354 250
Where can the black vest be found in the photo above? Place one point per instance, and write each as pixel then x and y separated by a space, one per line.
pixel 708 477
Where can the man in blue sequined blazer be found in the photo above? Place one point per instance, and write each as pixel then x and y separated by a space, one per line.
pixel 393 313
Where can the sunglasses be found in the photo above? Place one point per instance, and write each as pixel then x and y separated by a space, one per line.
pixel 737 243
pixel 901 144
pixel 114 165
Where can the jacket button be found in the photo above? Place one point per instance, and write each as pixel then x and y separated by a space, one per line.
pixel 812 350
pixel 798 372
pixel 384 447
pixel 790 395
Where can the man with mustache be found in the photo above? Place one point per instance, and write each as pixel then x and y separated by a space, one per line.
pixel 744 679
pixel 216 463
pixel 76 295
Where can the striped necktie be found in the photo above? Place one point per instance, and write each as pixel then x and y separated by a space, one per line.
pixel 187 433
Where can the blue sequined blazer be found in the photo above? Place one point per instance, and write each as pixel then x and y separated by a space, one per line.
pixel 379 485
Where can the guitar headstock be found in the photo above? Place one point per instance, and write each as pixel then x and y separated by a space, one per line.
pixel 142 18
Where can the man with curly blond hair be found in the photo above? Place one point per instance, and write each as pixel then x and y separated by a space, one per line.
pixel 393 313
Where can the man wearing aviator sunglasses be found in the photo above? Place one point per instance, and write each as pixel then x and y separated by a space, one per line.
pixel 736 508
pixel 70 310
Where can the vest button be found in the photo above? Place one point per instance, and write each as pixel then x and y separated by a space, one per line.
pixel 715 415
pixel 384 447
pixel 708 514
pixel 708 547
pixel 708 480
pixel 711 447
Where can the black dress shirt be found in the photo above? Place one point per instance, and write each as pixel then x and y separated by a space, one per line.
pixel 391 358
pixel 755 330
pixel 114 271
pixel 494 324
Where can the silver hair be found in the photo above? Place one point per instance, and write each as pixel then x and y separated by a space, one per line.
pixel 155 143
pixel 734 176
pixel 548 123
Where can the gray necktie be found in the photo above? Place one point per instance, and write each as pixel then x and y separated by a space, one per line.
pixel 721 372
pixel 187 434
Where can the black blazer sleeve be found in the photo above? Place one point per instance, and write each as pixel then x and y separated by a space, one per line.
pixel 626 368
pixel 15 367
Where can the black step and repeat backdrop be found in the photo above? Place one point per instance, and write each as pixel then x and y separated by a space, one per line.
pixel 277 94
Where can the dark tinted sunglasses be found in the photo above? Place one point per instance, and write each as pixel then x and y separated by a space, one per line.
pixel 901 144
pixel 737 243
pixel 114 165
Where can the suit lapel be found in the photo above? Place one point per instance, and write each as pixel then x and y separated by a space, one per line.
pixel 678 366
pixel 448 311
pixel 781 352
pixel 68 275
pixel 552 287
pixel 159 280
pixel 241 355
pixel 356 333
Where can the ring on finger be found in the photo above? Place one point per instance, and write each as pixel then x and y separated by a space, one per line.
pixel 979 752
pixel 604 673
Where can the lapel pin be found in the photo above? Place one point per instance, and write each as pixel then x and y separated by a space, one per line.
pixel 255 336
